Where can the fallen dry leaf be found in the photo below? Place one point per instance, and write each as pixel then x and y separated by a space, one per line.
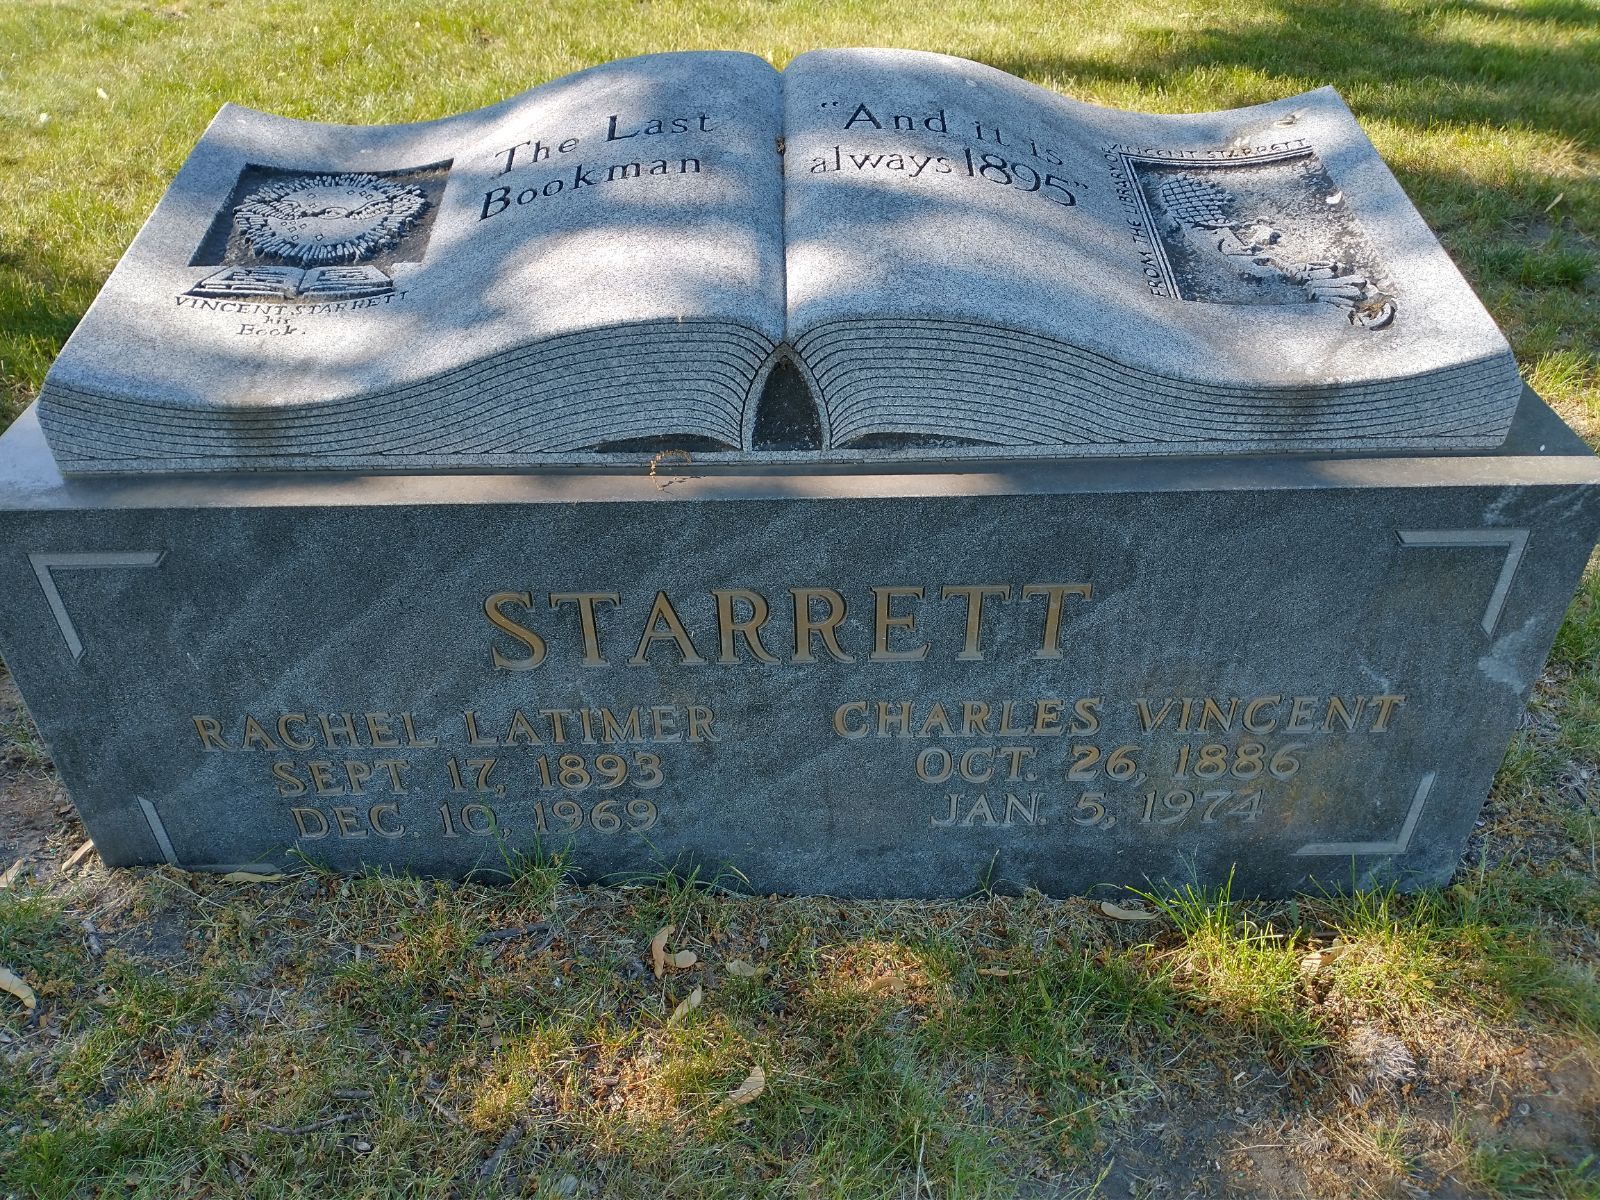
pixel 685 1005
pixel 744 970
pixel 999 972
pixel 77 855
pixel 682 960
pixel 754 1084
pixel 250 877
pixel 12 982
pixel 658 950
pixel 1118 913
pixel 1317 959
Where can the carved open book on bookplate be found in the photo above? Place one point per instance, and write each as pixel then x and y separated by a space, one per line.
pixel 873 255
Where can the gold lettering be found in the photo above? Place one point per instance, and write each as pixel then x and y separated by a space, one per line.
pixel 934 766
pixel 884 622
pixel 975 595
pixel 1149 720
pixel 699 730
pixel 1337 710
pixel 1006 728
pixel 729 627
pixel 521 731
pixel 1055 594
pixel 478 819
pixel 1087 713
pixel 530 639
pixel 411 735
pixel 210 731
pixel 936 714
pixel 1386 706
pixel 664 724
pixel 1300 719
pixel 292 742
pixel 1028 813
pixel 969 765
pixel 346 726
pixel 380 731
pixel 289 783
pixel 322 778
pixel 586 620
pixel 805 627
pixel 974 718
pixel 474 738
pixel 1015 756
pixel 349 822
pixel 557 729
pixel 662 613
pixel 980 807
pixel 1047 718
pixel 300 815
pixel 396 768
pixel 357 773
pixel 375 819
pixel 900 720
pixel 852 731
pixel 255 737
pixel 613 730
pixel 1210 709
pixel 1250 710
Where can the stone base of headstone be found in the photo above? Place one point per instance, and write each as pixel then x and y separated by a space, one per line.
pixel 1302 670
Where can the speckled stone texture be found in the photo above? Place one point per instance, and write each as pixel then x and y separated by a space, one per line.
pixel 596 261
pixel 1059 675
pixel 944 262
pixel 971 256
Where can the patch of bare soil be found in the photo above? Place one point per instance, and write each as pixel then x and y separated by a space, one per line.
pixel 38 827
pixel 1263 1134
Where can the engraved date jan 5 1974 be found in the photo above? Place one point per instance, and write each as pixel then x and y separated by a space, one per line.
pixel 1095 810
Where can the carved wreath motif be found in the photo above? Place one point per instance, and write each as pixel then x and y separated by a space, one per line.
pixel 321 219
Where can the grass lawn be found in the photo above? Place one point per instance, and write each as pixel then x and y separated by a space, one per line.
pixel 321 1036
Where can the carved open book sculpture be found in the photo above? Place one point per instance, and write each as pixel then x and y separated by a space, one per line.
pixel 874 254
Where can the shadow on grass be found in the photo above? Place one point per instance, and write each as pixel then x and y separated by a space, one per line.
pixel 1400 62
pixel 968 1044
pixel 42 298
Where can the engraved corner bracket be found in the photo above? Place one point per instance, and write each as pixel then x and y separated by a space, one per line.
pixel 1401 842
pixel 158 829
pixel 46 562
pixel 1515 542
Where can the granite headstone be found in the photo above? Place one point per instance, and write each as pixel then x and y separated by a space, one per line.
pixel 882 478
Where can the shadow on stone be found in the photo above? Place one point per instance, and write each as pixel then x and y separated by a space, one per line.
pixel 786 413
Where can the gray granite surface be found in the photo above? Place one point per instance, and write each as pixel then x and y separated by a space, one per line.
pixel 1302 670
pixel 937 260
pixel 970 254
pixel 595 261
